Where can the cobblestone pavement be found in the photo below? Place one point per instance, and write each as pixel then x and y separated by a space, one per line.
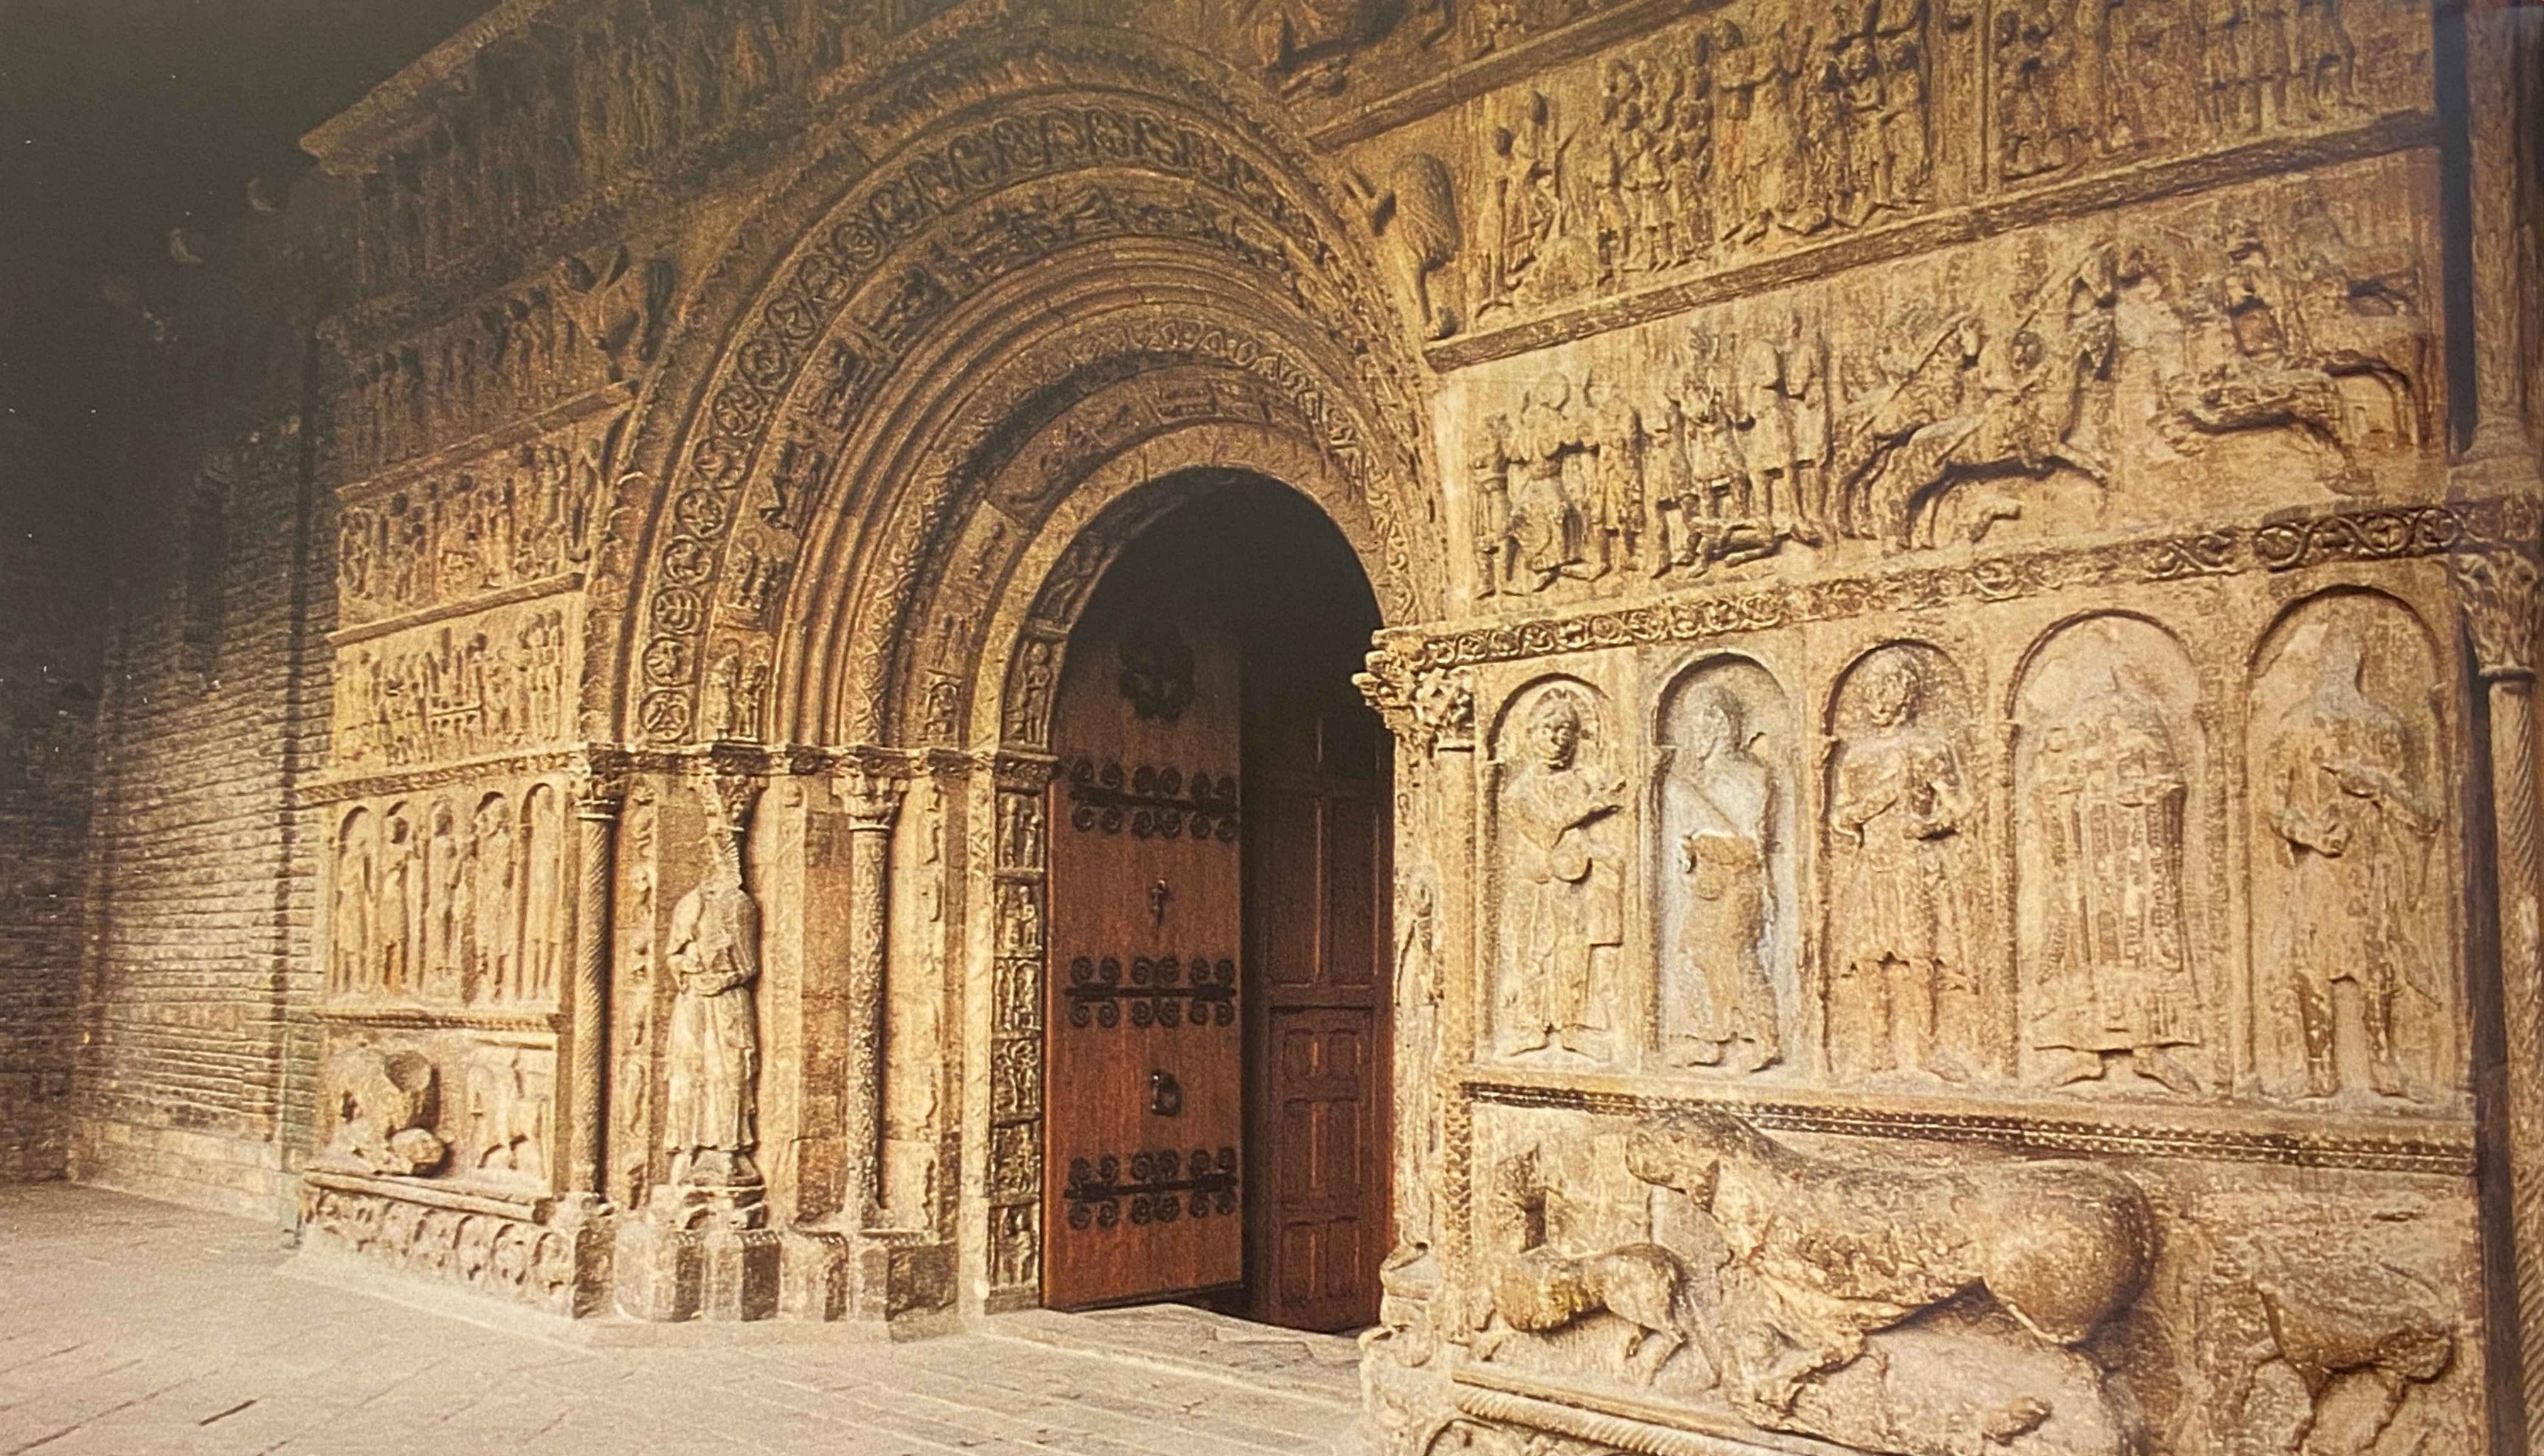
pixel 134 1326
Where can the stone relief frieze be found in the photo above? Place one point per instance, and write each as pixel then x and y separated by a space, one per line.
pixel 450 900
pixel 510 520
pixel 2021 388
pixel 1889 1298
pixel 497 682
pixel 1763 129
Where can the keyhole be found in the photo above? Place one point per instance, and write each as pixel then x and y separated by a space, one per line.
pixel 1158 893
pixel 1165 1094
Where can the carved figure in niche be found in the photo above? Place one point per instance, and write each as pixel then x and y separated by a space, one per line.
pixel 451 881
pixel 2034 53
pixel 493 965
pixel 738 693
pixel 1546 530
pixel 2115 981
pixel 1904 993
pixel 1307 44
pixel 1562 892
pixel 397 918
pixel 1020 831
pixel 1983 401
pixel 1029 717
pixel 1716 997
pixel 710 1110
pixel 1488 467
pixel 1417 1010
pixel 356 891
pixel 543 907
pixel 2352 816
pixel 381 1107
pixel 1802 1259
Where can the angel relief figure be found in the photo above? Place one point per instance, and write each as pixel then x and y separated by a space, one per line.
pixel 1563 892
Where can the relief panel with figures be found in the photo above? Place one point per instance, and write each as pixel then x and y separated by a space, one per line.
pixel 450 898
pixel 1763 129
pixel 2015 389
pixel 498 682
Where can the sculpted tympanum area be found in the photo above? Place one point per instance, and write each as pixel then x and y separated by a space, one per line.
pixel 1766 727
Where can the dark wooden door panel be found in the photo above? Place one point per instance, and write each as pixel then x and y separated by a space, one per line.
pixel 1317 896
pixel 1145 1118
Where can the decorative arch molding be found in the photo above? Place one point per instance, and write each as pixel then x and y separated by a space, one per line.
pixel 799 448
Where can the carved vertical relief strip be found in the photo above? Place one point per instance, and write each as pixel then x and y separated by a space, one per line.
pixel 2497 49
pixel 2497 591
pixel 872 801
pixel 597 793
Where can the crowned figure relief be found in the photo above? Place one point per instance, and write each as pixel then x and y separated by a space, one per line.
pixel 1563 890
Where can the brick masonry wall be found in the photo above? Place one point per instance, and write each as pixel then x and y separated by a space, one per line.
pixel 194 1072
pixel 48 666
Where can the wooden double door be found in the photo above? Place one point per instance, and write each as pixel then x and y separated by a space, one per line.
pixel 1216 1118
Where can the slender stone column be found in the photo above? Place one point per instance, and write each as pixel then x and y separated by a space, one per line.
pixel 598 790
pixel 2498 46
pixel 2497 592
pixel 872 800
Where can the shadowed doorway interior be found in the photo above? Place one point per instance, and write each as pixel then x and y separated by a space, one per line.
pixel 1217 1120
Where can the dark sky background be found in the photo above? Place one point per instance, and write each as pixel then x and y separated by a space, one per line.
pixel 119 120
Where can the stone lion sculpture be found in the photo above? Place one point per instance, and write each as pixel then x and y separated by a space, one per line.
pixel 383 1105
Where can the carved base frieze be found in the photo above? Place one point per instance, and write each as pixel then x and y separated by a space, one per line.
pixel 518 1250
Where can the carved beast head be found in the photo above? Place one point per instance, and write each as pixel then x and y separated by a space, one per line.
pixel 1686 1150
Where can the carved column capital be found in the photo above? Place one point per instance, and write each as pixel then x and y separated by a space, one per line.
pixel 596 782
pixel 2497 592
pixel 727 791
pixel 1431 708
pixel 870 795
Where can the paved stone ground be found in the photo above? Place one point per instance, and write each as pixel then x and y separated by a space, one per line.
pixel 135 1327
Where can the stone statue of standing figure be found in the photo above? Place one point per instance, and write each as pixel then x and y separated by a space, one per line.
pixel 711 1123
pixel 1717 1006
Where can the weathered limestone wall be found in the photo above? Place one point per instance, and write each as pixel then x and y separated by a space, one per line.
pixel 1949 571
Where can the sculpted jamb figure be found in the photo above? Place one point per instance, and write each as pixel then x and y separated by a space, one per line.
pixel 2116 980
pixel 1714 992
pixel 710 1117
pixel 1905 992
pixel 1562 894
pixel 2354 824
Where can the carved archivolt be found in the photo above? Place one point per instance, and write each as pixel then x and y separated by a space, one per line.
pixel 853 326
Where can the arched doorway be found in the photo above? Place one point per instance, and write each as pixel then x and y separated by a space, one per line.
pixel 1217 1118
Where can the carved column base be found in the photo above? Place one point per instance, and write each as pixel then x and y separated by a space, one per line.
pixel 718 1273
pixel 814 1275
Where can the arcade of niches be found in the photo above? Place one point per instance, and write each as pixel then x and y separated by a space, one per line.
pixel 1960 582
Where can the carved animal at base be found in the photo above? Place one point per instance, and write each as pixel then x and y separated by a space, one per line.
pixel 382 1106
pixel 1847 1249
pixel 2373 1325
pixel 1543 1289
